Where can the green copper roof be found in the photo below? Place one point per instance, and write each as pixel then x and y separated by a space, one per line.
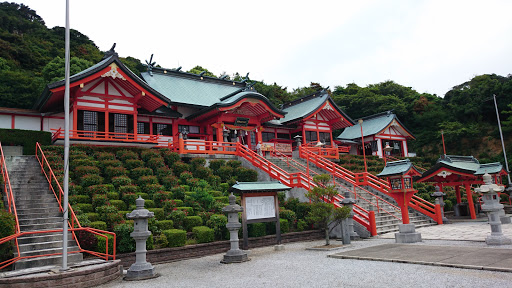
pixel 189 89
pixel 468 163
pixel 269 186
pixel 371 125
pixel 396 168
pixel 490 168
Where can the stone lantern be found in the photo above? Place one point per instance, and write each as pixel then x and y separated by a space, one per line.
pixel 349 201
pixel 493 206
pixel 141 269
pixel 234 255
pixel 440 201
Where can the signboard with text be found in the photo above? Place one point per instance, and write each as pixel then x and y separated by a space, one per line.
pixel 260 207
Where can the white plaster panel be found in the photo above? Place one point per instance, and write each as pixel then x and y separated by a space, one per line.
pixel 126 93
pixel 323 124
pixel 90 84
pixel 91 98
pixel 27 123
pixel 324 128
pixel 99 89
pixel 112 90
pixel 310 127
pixel 126 108
pixel 85 105
pixel 5 121
pixel 120 102
pixel 186 111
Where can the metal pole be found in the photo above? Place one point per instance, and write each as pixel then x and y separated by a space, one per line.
pixel 66 149
pixel 502 142
pixel 362 143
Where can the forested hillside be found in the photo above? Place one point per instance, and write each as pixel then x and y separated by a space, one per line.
pixel 31 55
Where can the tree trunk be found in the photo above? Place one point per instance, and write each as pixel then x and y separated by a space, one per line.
pixel 327 237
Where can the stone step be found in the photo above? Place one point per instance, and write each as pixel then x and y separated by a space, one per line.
pixel 45 245
pixel 41 238
pixel 41 227
pixel 35 197
pixel 38 213
pixel 34 205
pixel 46 251
pixel 46 261
pixel 31 221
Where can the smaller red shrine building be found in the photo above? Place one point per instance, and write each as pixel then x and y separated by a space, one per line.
pixel 465 171
pixel 379 130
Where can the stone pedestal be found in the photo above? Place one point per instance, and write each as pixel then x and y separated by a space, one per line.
pixel 407 234
pixel 234 255
pixel 141 269
pixel 439 200
pixel 349 224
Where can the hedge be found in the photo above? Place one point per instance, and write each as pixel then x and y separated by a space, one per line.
pixel 203 234
pixel 192 221
pixel 165 225
pixel 121 206
pixel 257 229
pixel 101 246
pixel 175 237
pixel 100 225
pixel 26 138
pixel 159 213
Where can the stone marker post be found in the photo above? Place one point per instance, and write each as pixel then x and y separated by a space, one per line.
pixel 234 255
pixel 141 269
pixel 439 200
pixel 349 222
pixel 493 206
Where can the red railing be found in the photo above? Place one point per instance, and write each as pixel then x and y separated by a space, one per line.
pixel 330 152
pixel 106 136
pixel 299 179
pixel 367 179
pixel 58 193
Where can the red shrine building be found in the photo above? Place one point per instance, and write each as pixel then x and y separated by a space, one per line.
pixel 378 131
pixel 110 105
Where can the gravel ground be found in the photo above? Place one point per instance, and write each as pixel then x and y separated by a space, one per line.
pixel 298 267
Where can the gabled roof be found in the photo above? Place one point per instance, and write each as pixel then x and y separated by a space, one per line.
pixel 256 187
pixel 373 125
pixel 400 167
pixel 84 75
pixel 490 168
pixel 161 112
pixel 190 89
pixel 306 106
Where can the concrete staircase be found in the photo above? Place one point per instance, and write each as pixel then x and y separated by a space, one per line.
pixel 37 210
pixel 385 222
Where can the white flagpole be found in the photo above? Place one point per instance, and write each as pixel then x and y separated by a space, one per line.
pixel 66 150
pixel 502 143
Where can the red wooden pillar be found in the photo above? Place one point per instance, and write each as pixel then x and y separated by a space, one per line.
pixel 457 193
pixel 259 138
pixel 471 205
pixel 107 125
pixel 220 133
pixel 135 132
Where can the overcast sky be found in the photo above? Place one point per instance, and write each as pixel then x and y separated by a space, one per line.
pixel 430 46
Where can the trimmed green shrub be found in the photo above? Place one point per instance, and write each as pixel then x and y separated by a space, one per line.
pixel 169 156
pixel 100 189
pixel 82 162
pixel 91 179
pixel 101 156
pixel 218 223
pixel 102 243
pixel 288 215
pixel 151 189
pixel 155 163
pixel 216 164
pixel 284 225
pixel 180 167
pixel 92 217
pixel 161 196
pixel 125 243
pixel 178 192
pixel 170 181
pixel 192 221
pixel 99 200
pixel 214 181
pixel 301 225
pixel 84 207
pixel 136 173
pixel 222 199
pixel 216 193
pixel 125 155
pixel 257 229
pixel 148 154
pixel 81 171
pixel 147 180
pixel 75 189
pixel 120 205
pixel 26 138
pixel 144 196
pixel 161 241
pixel 187 210
pixel 203 234
pixel 128 189
pixel 165 225
pixel 111 172
pixel 185 177
pixel 7 228
pixel 163 171
pixel 177 216
pixel 149 242
pixel 176 237
pixel 129 198
pixel 110 163
pixel 149 204
pixel 100 225
pixel 159 213
pixel 74 199
pixel 225 172
pixel 133 164
pixel 170 204
pixel 246 175
pixel 234 163
pixel 197 162
pixel 113 196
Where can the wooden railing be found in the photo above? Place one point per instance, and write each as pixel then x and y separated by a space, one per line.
pixel 367 179
pixel 299 179
pixel 106 136
pixel 330 152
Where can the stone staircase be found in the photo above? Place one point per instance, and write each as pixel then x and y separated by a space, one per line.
pixel 385 222
pixel 37 210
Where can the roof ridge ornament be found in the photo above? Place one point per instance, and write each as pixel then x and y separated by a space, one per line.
pixel 113 72
pixel 150 64
pixel 111 52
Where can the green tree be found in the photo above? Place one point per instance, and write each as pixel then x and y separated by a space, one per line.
pixel 54 70
pixel 198 70
pixel 323 212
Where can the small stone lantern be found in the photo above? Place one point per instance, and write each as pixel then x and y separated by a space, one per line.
pixel 349 201
pixel 141 269
pixel 439 200
pixel 493 206
pixel 234 255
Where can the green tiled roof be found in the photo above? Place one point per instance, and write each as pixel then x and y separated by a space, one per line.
pixel 490 168
pixel 468 163
pixel 396 168
pixel 255 187
pixel 189 89
pixel 371 126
